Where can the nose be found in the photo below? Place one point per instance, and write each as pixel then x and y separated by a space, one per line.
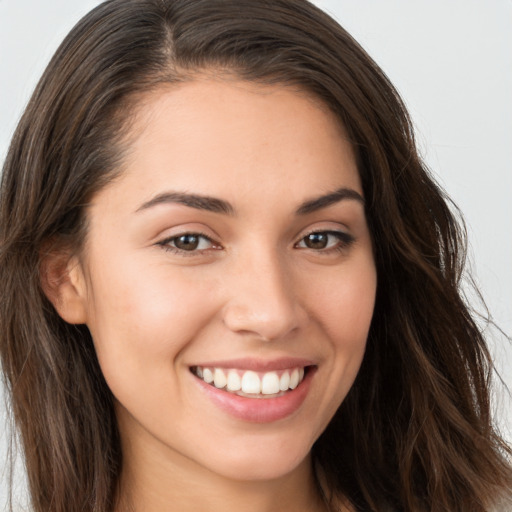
pixel 262 300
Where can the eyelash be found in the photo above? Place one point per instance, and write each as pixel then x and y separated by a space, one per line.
pixel 175 250
pixel 344 242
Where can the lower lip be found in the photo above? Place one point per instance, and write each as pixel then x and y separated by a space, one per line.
pixel 259 410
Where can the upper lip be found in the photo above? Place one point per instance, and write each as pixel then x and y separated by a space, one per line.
pixel 259 365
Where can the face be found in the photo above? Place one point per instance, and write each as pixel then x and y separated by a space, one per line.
pixel 228 278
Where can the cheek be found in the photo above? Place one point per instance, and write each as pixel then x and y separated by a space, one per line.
pixel 345 310
pixel 144 316
pixel 142 320
pixel 345 305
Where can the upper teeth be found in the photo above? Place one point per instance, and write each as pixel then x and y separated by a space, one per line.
pixel 268 383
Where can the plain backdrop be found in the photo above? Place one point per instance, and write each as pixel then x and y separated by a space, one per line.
pixel 452 62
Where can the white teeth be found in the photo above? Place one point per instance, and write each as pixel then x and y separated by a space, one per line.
pixel 219 378
pixel 234 381
pixel 250 382
pixel 294 379
pixel 284 381
pixel 207 376
pixel 270 383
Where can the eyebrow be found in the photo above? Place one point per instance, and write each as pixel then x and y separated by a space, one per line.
pixel 211 204
pixel 215 205
pixel 312 205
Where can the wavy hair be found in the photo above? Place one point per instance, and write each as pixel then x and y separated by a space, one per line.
pixel 415 433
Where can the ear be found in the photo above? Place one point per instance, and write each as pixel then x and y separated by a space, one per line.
pixel 63 283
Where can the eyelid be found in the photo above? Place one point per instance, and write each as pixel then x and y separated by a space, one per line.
pixel 169 231
pixel 165 243
pixel 345 239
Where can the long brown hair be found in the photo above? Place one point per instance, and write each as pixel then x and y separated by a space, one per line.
pixel 415 432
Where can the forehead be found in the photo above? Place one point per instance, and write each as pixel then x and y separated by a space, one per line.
pixel 235 139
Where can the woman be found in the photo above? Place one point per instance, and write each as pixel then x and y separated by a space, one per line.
pixel 241 282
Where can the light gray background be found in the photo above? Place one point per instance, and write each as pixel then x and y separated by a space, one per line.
pixel 450 59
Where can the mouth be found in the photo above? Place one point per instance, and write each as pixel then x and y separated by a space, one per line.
pixel 252 384
pixel 256 391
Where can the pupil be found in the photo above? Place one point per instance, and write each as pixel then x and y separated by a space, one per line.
pixel 316 241
pixel 187 242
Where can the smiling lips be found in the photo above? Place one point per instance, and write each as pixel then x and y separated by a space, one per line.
pixel 251 384
pixel 254 390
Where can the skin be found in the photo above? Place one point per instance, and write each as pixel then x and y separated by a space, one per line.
pixel 253 289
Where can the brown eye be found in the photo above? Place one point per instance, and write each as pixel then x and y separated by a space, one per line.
pixel 187 242
pixel 325 240
pixel 316 240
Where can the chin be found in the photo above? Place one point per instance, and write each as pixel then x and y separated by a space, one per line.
pixel 260 461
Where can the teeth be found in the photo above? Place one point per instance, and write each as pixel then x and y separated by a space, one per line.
pixel 219 378
pixel 270 383
pixel 250 382
pixel 234 381
pixel 207 376
pixel 294 379
pixel 284 381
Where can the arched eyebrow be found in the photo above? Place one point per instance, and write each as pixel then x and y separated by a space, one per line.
pixel 317 203
pixel 199 202
pixel 216 205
